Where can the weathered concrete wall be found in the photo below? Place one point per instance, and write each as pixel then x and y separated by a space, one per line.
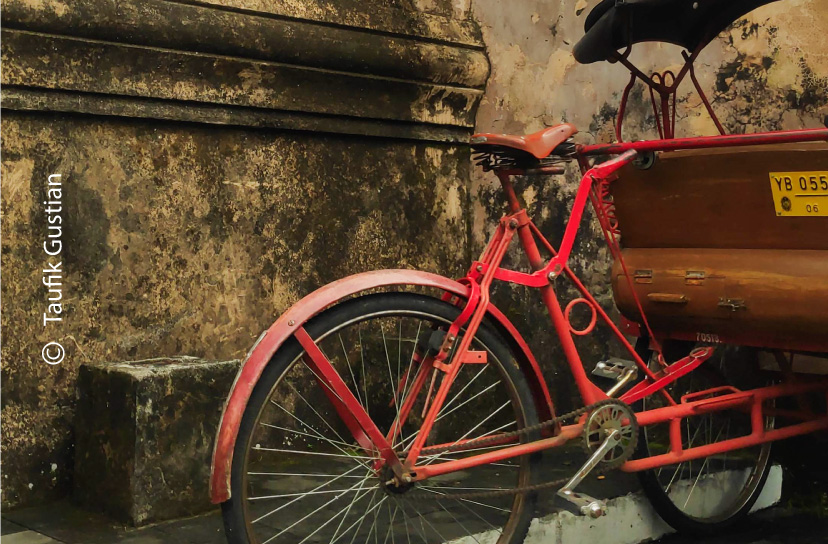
pixel 768 72
pixel 217 164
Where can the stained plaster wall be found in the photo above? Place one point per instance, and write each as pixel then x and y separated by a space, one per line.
pixel 219 161
pixel 769 71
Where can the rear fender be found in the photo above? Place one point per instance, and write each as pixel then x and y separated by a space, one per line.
pixel 298 314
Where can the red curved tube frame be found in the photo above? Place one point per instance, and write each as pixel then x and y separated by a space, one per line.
pixel 706 142
pixel 484 272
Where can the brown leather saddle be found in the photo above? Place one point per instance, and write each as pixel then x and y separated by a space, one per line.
pixel 530 151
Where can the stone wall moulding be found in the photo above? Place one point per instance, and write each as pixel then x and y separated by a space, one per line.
pixel 252 65
pixel 441 20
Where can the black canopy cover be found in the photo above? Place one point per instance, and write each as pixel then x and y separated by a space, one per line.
pixel 614 24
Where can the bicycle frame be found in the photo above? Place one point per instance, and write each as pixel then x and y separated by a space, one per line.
pixel 472 292
pixel 487 269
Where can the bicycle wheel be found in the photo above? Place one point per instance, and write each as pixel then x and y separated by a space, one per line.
pixel 707 495
pixel 298 475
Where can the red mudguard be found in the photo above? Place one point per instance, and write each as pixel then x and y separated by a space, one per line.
pixel 284 327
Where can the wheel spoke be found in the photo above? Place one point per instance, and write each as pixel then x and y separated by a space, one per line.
pixel 391 376
pixel 344 517
pixel 300 433
pixel 299 474
pixel 300 498
pixel 423 518
pixel 459 393
pixel 468 400
pixel 391 519
pixel 362 359
pixel 457 521
pixel 297 452
pixel 304 493
pixel 359 521
pixel 346 510
pixel 405 523
pixel 701 471
pixel 295 523
pixel 409 376
pixel 470 431
pixel 309 405
pixel 470 502
pixel 351 371
pixel 420 531
pixel 322 437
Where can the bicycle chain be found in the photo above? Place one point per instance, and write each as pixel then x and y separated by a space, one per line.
pixel 515 434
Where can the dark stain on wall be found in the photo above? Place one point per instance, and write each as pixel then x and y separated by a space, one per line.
pixel 87 226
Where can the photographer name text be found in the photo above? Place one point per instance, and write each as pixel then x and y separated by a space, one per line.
pixel 52 274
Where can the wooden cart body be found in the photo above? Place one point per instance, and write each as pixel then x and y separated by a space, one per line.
pixel 714 255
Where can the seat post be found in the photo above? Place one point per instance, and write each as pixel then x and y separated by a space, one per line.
pixel 527 240
pixel 509 189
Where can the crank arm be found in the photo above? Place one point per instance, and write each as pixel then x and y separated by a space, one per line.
pixel 589 506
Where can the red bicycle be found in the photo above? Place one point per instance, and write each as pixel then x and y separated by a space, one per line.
pixel 375 411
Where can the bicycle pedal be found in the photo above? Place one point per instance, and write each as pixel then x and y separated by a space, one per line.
pixel 587 506
pixel 613 368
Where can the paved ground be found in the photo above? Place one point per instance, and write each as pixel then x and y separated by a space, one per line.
pixel 802 518
pixel 64 524
pixel 778 525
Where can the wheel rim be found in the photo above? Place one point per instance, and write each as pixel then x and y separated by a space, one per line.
pixel 713 489
pixel 306 480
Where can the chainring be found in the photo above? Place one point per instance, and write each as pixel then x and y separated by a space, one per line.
pixel 600 423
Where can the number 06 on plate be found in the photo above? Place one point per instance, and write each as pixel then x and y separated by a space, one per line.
pixel 800 194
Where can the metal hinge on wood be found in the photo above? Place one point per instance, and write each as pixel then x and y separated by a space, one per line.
pixel 694 277
pixel 643 276
pixel 733 303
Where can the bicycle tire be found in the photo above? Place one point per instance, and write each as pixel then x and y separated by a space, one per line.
pixel 679 516
pixel 236 516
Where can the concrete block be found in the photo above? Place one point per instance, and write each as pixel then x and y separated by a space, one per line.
pixel 144 436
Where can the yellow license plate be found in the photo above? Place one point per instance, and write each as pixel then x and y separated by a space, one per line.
pixel 800 194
